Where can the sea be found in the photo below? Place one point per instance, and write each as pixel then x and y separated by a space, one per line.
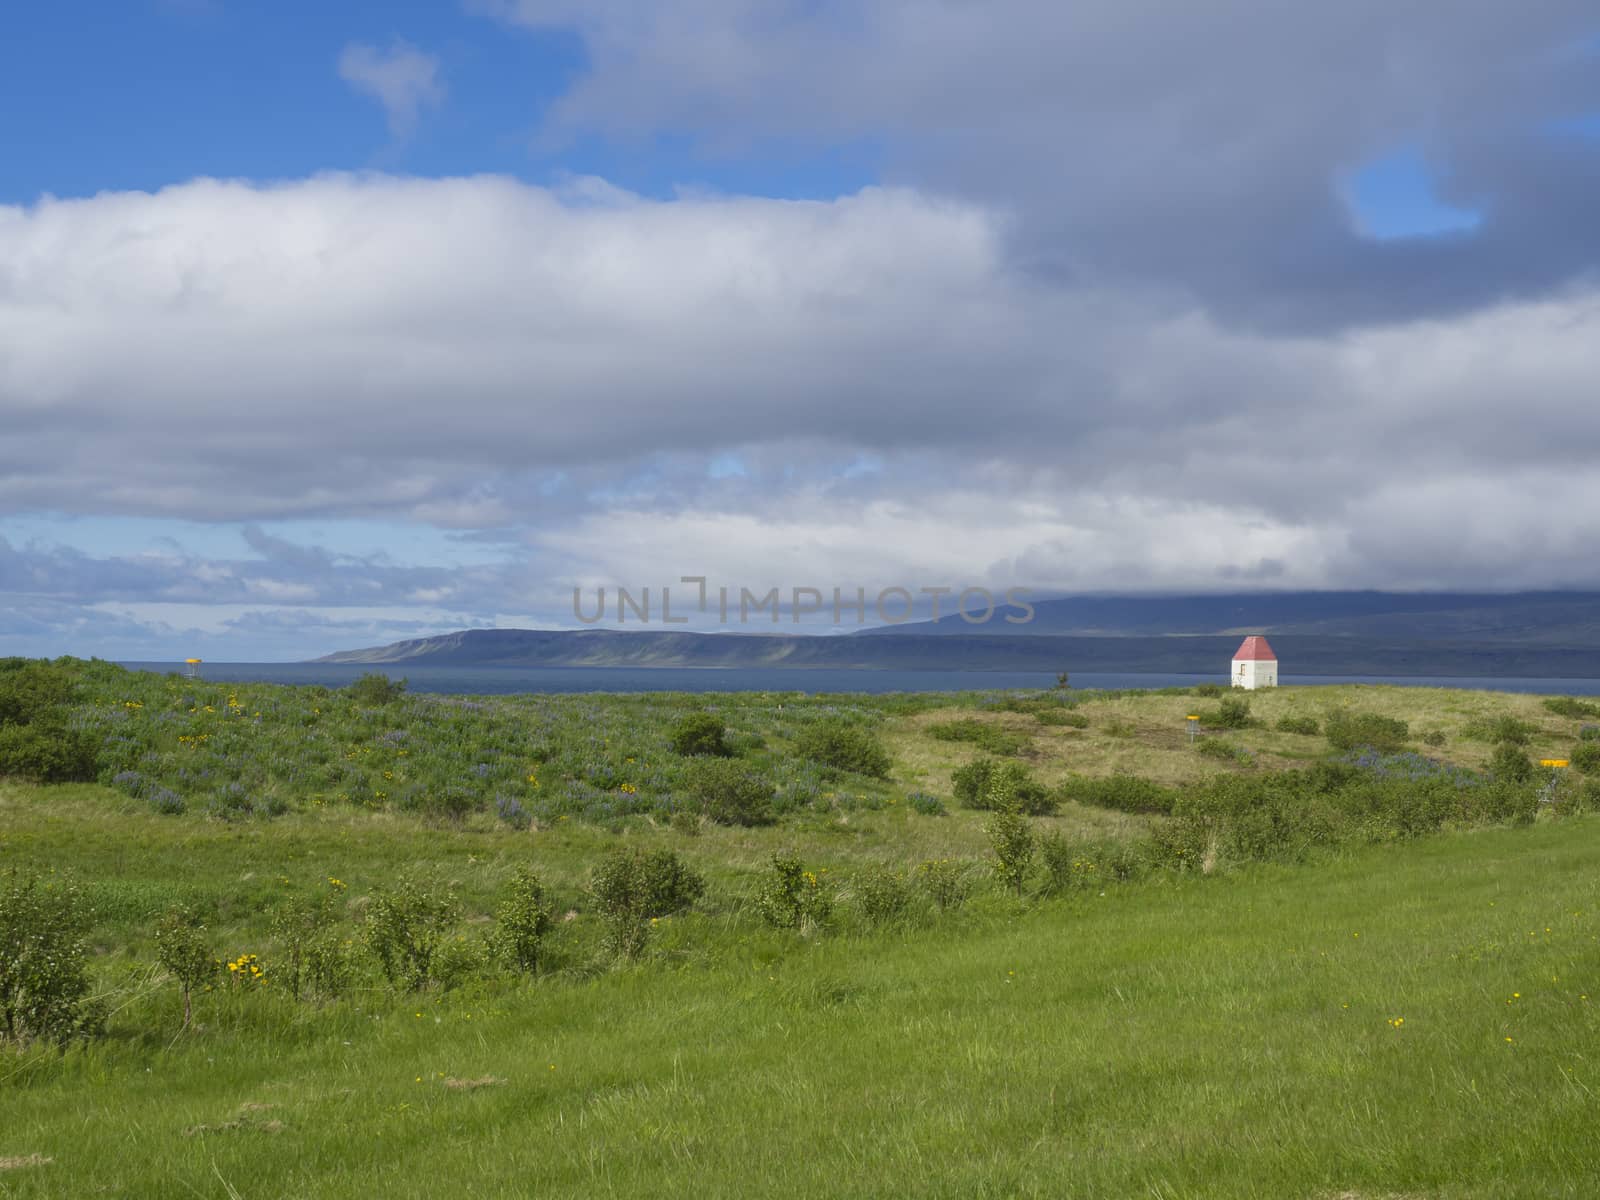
pixel 491 681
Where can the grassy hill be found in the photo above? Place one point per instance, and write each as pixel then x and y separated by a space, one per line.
pixel 1308 971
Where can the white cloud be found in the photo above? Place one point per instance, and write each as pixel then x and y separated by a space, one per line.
pixel 401 78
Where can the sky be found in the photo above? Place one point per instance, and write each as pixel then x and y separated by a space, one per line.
pixel 323 326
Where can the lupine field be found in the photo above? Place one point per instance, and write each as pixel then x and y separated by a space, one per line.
pixel 270 941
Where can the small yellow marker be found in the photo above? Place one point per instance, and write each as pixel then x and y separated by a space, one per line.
pixel 1554 762
pixel 1194 724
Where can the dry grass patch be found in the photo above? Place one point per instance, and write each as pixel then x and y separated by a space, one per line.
pixel 471 1085
pixel 16 1162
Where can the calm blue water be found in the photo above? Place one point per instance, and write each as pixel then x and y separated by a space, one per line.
pixel 502 680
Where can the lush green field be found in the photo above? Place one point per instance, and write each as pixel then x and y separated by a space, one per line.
pixel 1297 967
pixel 1409 1020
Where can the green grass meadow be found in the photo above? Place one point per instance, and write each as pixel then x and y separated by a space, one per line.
pixel 1338 1004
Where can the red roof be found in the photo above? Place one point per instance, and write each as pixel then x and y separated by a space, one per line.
pixel 1254 649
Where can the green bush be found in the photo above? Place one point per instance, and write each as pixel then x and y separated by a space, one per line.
pixel 700 733
pixel 1568 706
pixel 1208 689
pixel 1510 762
pixel 1434 738
pixel 987 784
pixel 729 793
pixel 632 887
pixel 405 926
pixel 1350 730
pixel 1585 757
pixel 1125 793
pixel 791 897
pixel 301 926
pixel 1231 713
pixel 946 882
pixel 1302 725
pixel 32 691
pixel 1215 747
pixel 184 951
pixel 882 895
pixel 991 738
pixel 521 922
pixel 44 974
pixel 843 746
pixel 1011 837
pixel 1505 728
pixel 1061 717
pixel 46 750
pixel 375 689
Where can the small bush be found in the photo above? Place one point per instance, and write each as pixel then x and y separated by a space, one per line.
pixel 987 784
pixel 729 793
pixel 945 881
pixel 1434 738
pixel 1568 706
pixel 791 897
pixel 1075 866
pixel 1302 725
pixel 184 950
pixel 700 734
pixel 1061 717
pixel 301 926
pixel 1510 763
pixel 1208 689
pixel 1012 839
pixel 44 975
pixel 882 895
pixel 46 750
pixel 926 804
pixel 845 747
pixel 1349 730
pixel 1231 713
pixel 1589 733
pixel 631 887
pixel 1214 747
pixel 1585 757
pixel 991 738
pixel 1124 793
pixel 405 926
pixel 375 689
pixel 33 691
pixel 511 813
pixel 1503 728
pixel 521 922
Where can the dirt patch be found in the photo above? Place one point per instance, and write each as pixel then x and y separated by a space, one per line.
pixel 15 1162
pixel 472 1085
pixel 248 1120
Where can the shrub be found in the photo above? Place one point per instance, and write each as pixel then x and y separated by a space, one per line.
pixel 1125 793
pixel 185 952
pixel 843 746
pixel 1589 733
pixel 985 736
pixel 882 895
pixel 1302 725
pixel 1434 738
pixel 1348 730
pixel 511 813
pixel 791 897
pixel 1230 713
pixel 33 691
pixel 631 887
pixel 375 689
pixel 1585 757
pixel 47 751
pixel 700 733
pixel 1062 717
pixel 1568 706
pixel 1208 689
pixel 1510 763
pixel 729 793
pixel 1075 866
pixel 1504 728
pixel 945 881
pixel 926 804
pixel 299 926
pixel 1213 747
pixel 44 976
pixel 405 926
pixel 521 922
pixel 1012 839
pixel 457 960
pixel 987 784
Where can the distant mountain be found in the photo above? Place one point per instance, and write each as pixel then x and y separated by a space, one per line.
pixel 1198 654
pixel 1532 618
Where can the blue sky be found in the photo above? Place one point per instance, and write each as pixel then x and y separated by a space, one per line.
pixel 330 324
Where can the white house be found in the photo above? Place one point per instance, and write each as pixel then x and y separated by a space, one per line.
pixel 1254 664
